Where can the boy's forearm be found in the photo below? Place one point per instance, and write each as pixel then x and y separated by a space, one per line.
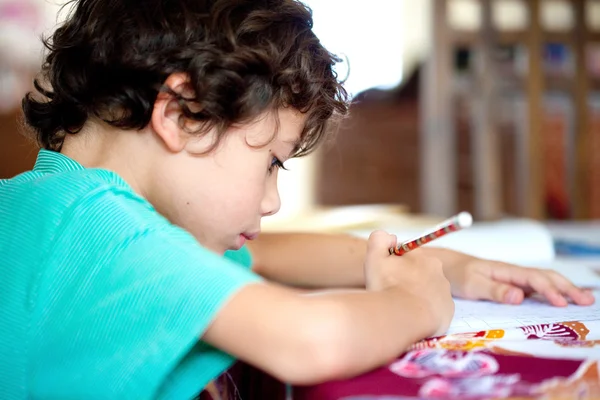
pixel 376 327
pixel 310 260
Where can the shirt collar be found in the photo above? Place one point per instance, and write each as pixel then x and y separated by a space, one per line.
pixel 50 162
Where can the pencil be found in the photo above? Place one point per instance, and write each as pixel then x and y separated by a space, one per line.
pixel 454 224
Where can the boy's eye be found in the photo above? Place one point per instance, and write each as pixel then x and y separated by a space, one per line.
pixel 275 164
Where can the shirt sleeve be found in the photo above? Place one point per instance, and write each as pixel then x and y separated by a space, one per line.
pixel 125 322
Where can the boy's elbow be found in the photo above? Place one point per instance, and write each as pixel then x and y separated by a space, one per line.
pixel 318 365
pixel 324 356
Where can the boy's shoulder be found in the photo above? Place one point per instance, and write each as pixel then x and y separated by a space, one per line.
pixel 83 197
pixel 66 189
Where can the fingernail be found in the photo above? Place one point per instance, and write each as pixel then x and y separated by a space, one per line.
pixel 561 300
pixel 512 296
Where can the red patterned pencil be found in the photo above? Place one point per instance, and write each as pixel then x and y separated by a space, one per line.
pixel 456 223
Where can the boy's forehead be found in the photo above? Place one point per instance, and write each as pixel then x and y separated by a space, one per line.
pixel 293 146
pixel 292 123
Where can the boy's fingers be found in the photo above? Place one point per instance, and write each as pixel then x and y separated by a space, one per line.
pixel 483 288
pixel 508 294
pixel 393 241
pixel 566 287
pixel 553 286
pixel 550 284
pixel 536 279
pixel 379 240
pixel 542 284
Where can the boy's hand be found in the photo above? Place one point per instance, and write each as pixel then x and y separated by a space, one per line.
pixel 415 273
pixel 478 279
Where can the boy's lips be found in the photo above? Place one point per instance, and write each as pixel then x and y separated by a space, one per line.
pixel 243 237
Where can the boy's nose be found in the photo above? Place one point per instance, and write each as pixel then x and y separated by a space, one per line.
pixel 271 202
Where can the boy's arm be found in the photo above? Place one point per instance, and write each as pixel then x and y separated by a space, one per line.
pixel 310 260
pixel 319 260
pixel 311 338
pixel 308 339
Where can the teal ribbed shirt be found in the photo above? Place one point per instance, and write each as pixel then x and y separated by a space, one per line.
pixel 100 296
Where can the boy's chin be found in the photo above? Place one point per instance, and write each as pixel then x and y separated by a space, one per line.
pixel 232 244
pixel 239 243
pixel 216 248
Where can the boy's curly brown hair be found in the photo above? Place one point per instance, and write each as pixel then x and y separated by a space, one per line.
pixel 110 58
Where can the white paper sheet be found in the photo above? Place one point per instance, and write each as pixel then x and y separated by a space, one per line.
pixel 473 316
pixel 578 273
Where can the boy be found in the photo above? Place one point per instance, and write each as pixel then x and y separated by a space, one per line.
pixel 163 126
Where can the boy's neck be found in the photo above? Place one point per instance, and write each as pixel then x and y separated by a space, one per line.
pixel 125 152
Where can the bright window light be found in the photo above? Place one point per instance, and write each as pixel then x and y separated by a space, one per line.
pixel 368 37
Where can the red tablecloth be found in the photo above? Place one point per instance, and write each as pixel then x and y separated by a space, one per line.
pixel 553 361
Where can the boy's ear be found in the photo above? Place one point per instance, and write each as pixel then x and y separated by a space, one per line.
pixel 167 115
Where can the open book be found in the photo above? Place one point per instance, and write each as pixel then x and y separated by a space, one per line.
pixel 473 316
